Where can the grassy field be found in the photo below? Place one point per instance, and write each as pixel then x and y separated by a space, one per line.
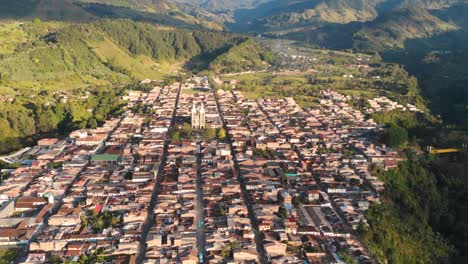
pixel 304 87
pixel 14 34
pixel 29 62
pixel 276 86
pixel 361 93
pixel 11 35
pixel 139 67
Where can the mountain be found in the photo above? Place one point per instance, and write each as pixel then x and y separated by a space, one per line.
pixel 153 11
pixel 224 6
pixel 44 9
pixel 280 15
pixel 156 6
pixel 363 25
pixel 391 29
pixel 247 56
pixel 112 51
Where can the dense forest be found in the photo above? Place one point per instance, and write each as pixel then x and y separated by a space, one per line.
pixel 34 115
pixel 87 51
pixel 423 217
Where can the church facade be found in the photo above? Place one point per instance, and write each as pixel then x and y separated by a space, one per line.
pixel 198 117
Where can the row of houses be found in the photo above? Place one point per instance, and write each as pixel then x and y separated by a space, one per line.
pixel 307 171
pixel 92 191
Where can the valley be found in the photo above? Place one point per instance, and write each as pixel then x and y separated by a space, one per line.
pixel 222 131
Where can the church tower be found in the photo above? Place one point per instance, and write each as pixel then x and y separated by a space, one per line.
pixel 201 116
pixel 198 116
pixel 195 123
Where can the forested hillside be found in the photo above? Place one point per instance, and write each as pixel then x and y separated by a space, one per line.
pixel 157 6
pixel 108 50
pixel 248 56
pixel 391 29
pixel 281 15
pixel 423 217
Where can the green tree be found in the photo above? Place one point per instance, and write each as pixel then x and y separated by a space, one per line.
pixel 8 256
pixel 175 136
pixel 55 259
pixel 209 133
pixel 221 133
pixel 92 123
pixel 186 131
pixel 282 212
pixel 46 121
pixel 395 136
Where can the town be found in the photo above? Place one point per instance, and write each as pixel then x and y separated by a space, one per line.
pixel 193 174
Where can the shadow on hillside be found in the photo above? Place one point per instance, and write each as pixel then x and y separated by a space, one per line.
pixel 61 10
pixel 67 10
pixel 245 18
pixel 106 11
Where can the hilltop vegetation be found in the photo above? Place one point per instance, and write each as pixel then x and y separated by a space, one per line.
pixel 376 25
pixel 110 51
pixel 248 56
pixel 32 114
pixel 157 6
pixel 400 230
pixel 422 219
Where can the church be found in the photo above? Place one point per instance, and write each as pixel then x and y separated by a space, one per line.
pixel 198 117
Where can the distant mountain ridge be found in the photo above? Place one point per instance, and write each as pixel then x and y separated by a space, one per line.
pixel 110 50
pixel 391 29
pixel 371 25
pixel 154 11
pixel 142 5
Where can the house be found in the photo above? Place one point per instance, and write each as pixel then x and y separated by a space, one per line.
pixel 105 159
pixel 245 255
pixel 275 249
pixel 47 142
pixel 313 195
pixel 90 140
pixel 24 204
pixel 69 220
pixel 11 234
pixel 291 225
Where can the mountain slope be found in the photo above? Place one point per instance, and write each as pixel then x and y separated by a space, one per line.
pixel 152 11
pixel 44 9
pixel 156 6
pixel 114 51
pixel 279 15
pixel 224 6
pixel 247 56
pixel 393 28
pixel 331 11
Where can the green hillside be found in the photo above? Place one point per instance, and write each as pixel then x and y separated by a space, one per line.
pixel 390 30
pixel 109 51
pixel 330 11
pixel 224 6
pixel 248 56
pixel 157 6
